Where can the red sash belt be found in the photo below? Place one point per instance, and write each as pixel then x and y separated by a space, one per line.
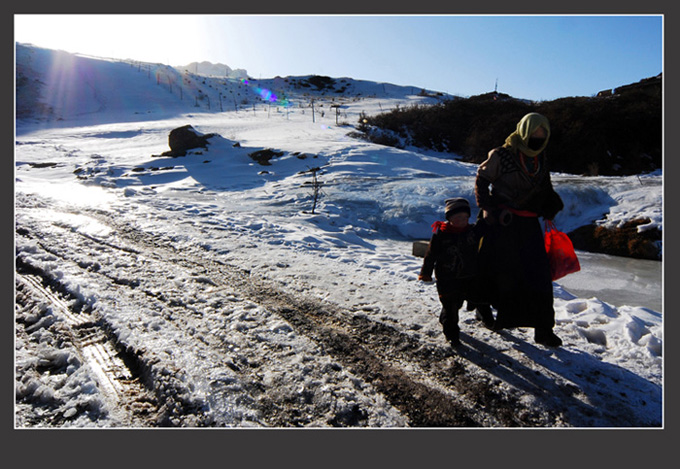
pixel 520 213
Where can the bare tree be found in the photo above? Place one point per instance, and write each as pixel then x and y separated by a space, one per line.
pixel 316 187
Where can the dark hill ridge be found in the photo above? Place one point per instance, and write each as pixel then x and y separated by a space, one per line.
pixel 616 133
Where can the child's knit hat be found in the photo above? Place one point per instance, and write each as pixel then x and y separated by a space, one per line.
pixel 456 205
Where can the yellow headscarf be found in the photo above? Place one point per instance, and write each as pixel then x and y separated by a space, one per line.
pixel 519 139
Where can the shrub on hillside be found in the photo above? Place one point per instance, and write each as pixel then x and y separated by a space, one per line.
pixel 619 134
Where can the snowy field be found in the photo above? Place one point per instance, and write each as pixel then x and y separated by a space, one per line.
pixel 97 171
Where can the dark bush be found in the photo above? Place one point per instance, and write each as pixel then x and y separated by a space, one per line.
pixel 321 82
pixel 619 134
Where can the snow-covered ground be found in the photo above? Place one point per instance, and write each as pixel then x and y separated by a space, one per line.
pixel 98 169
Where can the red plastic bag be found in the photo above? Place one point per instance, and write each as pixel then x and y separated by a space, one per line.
pixel 563 260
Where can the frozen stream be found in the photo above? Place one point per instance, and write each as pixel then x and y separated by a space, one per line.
pixel 617 280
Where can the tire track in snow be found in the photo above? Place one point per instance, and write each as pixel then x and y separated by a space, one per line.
pixel 125 398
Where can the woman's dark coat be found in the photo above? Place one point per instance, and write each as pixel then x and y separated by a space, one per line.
pixel 513 191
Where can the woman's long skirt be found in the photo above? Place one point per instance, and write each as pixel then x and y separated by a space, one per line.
pixel 516 270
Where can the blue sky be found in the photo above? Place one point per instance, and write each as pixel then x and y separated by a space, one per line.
pixel 532 57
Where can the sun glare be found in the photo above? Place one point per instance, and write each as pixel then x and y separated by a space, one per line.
pixel 168 39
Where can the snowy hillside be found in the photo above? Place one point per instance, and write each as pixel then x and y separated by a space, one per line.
pixel 86 89
pixel 231 304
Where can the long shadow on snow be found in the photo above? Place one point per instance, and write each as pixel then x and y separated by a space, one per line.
pixel 604 402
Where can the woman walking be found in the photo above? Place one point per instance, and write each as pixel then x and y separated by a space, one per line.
pixel 513 189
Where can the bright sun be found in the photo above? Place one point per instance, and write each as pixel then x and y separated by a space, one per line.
pixel 169 39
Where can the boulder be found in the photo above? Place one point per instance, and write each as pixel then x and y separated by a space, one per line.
pixel 185 138
pixel 264 156
pixel 625 241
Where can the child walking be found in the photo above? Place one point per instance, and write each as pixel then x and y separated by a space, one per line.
pixel 452 255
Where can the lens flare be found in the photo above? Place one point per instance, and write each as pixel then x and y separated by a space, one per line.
pixel 265 94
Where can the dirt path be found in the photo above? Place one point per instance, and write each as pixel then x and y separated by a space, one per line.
pixel 171 337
